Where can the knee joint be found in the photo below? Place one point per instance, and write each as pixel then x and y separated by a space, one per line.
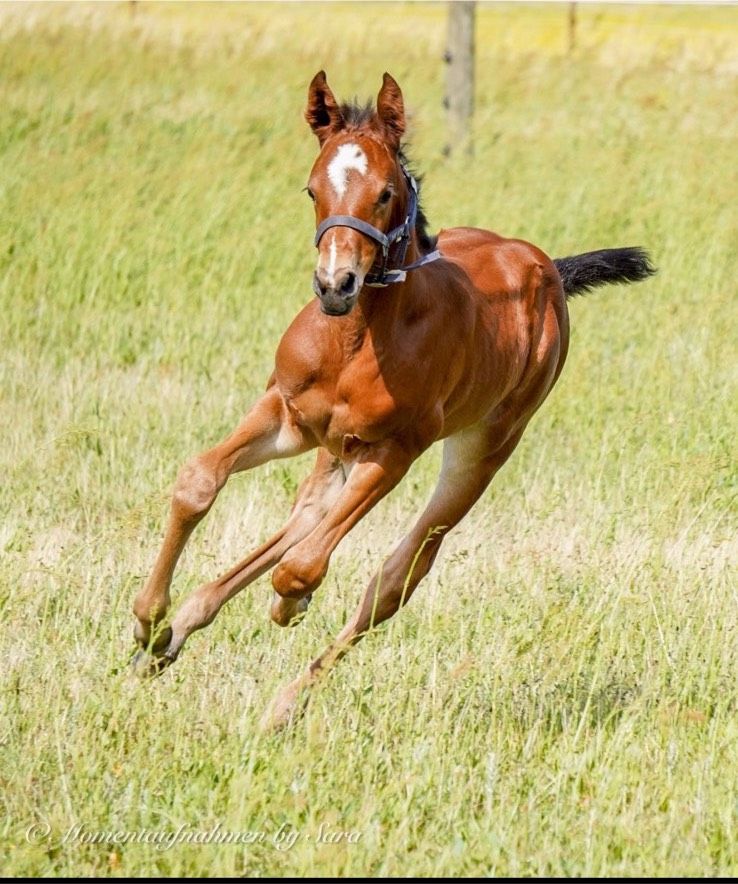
pixel 196 488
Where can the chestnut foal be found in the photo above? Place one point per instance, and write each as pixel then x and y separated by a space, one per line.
pixel 463 344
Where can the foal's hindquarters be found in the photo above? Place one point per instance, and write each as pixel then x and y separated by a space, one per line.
pixel 466 353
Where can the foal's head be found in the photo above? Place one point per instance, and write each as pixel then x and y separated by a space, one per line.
pixel 357 173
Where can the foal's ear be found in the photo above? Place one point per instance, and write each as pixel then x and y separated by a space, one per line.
pixel 323 113
pixel 391 110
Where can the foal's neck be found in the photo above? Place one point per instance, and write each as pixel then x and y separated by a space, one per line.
pixel 379 309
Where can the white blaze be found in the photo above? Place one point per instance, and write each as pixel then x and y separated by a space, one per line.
pixel 330 270
pixel 348 156
pixel 332 265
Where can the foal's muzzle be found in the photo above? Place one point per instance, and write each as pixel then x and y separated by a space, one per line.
pixel 338 296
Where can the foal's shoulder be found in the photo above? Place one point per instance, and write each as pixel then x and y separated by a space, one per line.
pixel 306 343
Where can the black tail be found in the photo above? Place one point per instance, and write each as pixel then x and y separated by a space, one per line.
pixel 581 273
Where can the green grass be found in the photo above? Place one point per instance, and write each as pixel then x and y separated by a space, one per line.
pixel 560 696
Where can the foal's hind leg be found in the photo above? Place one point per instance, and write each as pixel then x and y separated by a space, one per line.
pixel 468 467
pixel 268 431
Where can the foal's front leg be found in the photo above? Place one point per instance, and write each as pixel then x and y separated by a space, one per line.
pixel 268 431
pixel 325 511
pixel 314 498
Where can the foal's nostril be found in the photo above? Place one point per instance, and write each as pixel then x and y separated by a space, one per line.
pixel 319 287
pixel 349 284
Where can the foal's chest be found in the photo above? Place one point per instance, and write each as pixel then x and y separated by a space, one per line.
pixel 354 402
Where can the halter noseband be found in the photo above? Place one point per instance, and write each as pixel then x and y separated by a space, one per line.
pixel 401 235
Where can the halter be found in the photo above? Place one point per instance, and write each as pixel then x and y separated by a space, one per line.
pixel 401 235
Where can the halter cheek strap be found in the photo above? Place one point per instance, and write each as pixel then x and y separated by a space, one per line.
pixel 400 234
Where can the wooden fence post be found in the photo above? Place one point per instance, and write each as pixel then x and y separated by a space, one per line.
pixel 572 26
pixel 459 58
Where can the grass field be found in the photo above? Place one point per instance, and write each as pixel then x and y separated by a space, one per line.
pixel 560 696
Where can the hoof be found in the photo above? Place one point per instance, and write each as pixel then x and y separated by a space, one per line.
pixel 301 609
pixel 161 641
pixel 146 665
pixel 152 659
pixel 289 612
pixel 286 709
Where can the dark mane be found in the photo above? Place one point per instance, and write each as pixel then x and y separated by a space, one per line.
pixel 426 241
pixel 357 116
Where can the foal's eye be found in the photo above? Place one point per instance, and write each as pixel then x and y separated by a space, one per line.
pixel 310 194
pixel 385 197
